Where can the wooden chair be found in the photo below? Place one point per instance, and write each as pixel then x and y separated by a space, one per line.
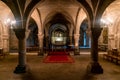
pixel 2 55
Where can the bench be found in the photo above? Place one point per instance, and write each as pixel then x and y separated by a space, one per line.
pixel 118 59
pixel 30 49
pixel 112 55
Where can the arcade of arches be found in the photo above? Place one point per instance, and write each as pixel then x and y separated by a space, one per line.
pixel 45 25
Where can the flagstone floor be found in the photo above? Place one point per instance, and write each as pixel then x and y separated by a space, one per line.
pixel 37 70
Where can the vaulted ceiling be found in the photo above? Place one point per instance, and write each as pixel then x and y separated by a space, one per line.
pixel 67 7
pixel 112 11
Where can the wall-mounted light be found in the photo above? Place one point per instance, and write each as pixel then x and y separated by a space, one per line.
pixel 7 21
pixel 106 21
pixel 13 22
pixel 10 23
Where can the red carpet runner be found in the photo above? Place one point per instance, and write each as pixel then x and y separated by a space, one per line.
pixel 58 57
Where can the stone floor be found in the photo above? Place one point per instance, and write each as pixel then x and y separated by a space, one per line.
pixel 37 70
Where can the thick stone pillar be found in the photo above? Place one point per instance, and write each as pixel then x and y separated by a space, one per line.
pixel 21 67
pixel 40 37
pixel 76 48
pixel 94 66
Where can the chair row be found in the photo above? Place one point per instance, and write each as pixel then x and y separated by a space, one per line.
pixel 113 56
pixel 29 49
pixel 2 54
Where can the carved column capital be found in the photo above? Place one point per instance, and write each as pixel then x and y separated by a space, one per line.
pixel 96 31
pixel 20 33
pixel 76 36
pixel 40 35
pixel 111 37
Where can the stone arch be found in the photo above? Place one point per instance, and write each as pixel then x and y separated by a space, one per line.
pixel 57 18
pixel 33 5
pixel 1 34
pixel 93 12
pixel 116 30
pixel 6 20
pixel 37 18
pixel 84 40
pixel 67 19
pixel 111 18
pixel 79 20
pixel 23 9
pixel 58 36
pixel 87 8
pixel 101 8
pixel 32 34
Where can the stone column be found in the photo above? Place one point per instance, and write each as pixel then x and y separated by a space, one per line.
pixel 40 37
pixel 76 49
pixel 94 66
pixel 21 68
pixel 5 43
pixel 70 38
pixel 70 42
pixel 111 42
pixel 47 43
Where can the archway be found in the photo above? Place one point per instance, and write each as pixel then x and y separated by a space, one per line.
pixel 32 39
pixel 58 36
pixel 84 41
pixel 109 38
pixel 57 23
pixel 7 36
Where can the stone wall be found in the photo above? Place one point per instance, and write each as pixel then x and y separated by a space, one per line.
pixel 13 40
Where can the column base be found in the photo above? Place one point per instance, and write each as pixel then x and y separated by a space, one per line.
pixel 95 68
pixel 76 52
pixel 40 53
pixel 20 69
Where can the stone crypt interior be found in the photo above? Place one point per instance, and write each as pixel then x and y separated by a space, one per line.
pixel 88 30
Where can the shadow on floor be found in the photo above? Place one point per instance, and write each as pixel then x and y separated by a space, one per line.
pixel 34 76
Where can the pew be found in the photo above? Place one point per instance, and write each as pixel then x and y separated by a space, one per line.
pixel 112 55
pixel 31 49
